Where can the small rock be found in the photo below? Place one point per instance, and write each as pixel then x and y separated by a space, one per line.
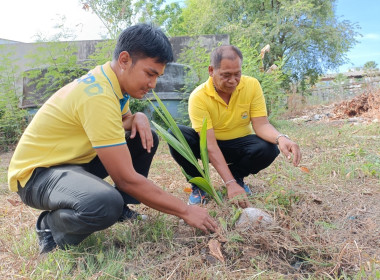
pixel 253 216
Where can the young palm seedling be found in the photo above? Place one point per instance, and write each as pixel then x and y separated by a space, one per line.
pixel 179 143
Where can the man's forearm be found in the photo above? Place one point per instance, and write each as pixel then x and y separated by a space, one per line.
pixel 218 161
pixel 151 195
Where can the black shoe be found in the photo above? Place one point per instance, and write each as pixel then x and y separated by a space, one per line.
pixel 129 214
pixel 45 237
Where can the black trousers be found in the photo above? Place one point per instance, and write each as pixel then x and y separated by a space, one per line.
pixel 244 156
pixel 79 200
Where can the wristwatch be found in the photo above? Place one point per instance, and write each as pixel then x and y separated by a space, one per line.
pixel 281 135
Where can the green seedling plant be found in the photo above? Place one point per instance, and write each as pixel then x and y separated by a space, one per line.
pixel 179 143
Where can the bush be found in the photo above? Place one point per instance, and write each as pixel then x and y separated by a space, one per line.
pixel 12 119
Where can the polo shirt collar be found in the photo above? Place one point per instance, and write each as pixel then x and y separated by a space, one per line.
pixel 113 81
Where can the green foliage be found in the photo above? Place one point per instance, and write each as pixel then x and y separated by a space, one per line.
pixel 179 143
pixel 54 64
pixel 306 32
pixel 154 11
pixel 370 65
pixel 103 53
pixel 197 57
pixel 116 15
pixel 12 119
pixel 271 79
pixel 138 105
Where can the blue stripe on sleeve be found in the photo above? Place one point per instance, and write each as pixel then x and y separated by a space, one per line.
pixel 97 147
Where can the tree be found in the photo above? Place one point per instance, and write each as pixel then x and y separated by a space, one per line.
pixel 370 65
pixel 117 15
pixel 154 11
pixel 306 34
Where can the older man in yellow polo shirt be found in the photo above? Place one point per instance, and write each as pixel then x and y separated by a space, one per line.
pixel 240 139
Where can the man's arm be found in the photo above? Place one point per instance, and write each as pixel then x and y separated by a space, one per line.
pixel 267 132
pixel 218 161
pixel 118 163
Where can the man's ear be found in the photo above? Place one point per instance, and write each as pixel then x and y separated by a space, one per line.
pixel 124 60
pixel 210 70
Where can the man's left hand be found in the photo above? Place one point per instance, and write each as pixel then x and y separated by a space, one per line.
pixel 140 124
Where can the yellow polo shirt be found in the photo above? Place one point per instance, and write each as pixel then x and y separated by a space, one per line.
pixel 84 115
pixel 232 120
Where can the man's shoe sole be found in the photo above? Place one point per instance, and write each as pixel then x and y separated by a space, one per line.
pixel 46 241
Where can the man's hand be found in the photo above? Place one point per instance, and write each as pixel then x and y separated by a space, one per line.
pixel 237 195
pixel 140 124
pixel 198 217
pixel 288 147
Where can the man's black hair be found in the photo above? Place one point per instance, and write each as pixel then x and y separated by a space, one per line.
pixel 144 40
pixel 219 54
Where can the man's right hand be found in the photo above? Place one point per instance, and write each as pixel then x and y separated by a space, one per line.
pixel 198 217
pixel 237 195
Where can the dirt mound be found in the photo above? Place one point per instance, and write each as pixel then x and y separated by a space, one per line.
pixel 366 105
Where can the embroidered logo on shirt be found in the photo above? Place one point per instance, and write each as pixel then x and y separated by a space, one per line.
pixel 244 115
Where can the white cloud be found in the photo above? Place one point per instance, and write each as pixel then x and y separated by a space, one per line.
pixel 371 36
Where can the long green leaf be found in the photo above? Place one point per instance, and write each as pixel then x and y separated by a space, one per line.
pixel 172 124
pixel 179 143
pixel 203 150
pixel 204 185
pixel 188 177
pixel 162 116
pixel 172 141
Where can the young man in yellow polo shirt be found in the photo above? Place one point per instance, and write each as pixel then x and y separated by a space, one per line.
pixel 240 139
pixel 78 137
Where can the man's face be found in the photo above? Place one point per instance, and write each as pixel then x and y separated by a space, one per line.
pixel 139 78
pixel 227 77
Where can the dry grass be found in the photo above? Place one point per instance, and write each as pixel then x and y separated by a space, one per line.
pixel 327 222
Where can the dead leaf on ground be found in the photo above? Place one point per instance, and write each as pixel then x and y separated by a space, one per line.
pixel 215 250
pixel 304 169
pixel 316 199
pixel 14 203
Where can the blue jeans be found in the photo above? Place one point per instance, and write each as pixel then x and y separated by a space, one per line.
pixel 79 200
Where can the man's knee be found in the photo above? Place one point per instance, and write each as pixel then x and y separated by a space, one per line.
pixel 270 151
pixel 103 208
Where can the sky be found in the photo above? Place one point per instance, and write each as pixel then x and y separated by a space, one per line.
pixel 22 20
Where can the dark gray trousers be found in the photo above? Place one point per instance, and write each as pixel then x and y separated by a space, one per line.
pixel 79 200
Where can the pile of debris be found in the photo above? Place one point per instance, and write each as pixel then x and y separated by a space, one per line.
pixel 366 105
pixel 362 108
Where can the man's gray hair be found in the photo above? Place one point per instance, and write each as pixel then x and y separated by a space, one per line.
pixel 223 52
